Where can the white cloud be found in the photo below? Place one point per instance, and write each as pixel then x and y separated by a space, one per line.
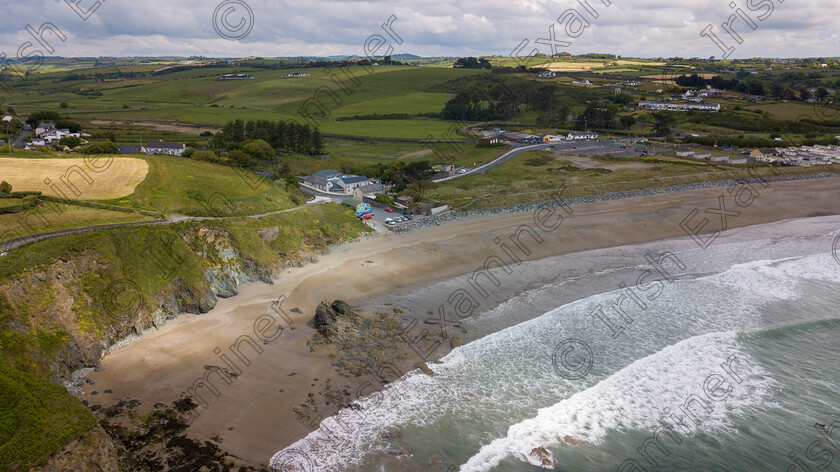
pixel 447 27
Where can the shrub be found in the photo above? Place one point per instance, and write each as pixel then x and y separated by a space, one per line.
pixel 31 201
pixel 5 187
pixel 189 152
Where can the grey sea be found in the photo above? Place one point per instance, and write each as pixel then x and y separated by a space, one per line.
pixel 725 358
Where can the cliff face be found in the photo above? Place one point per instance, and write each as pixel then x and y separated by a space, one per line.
pixel 93 451
pixel 65 302
pixel 66 323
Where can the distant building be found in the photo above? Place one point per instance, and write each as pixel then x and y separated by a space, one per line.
pixel 655 105
pixel 740 160
pixel 131 149
pixel 582 82
pixel 296 74
pixel 165 148
pixel 43 128
pixel 327 174
pixel 548 74
pixel 236 77
pixel 8 118
pixel 582 135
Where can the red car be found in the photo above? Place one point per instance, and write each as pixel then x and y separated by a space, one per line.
pixel 366 216
pixel 389 209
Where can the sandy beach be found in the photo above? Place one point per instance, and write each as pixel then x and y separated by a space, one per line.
pixel 252 417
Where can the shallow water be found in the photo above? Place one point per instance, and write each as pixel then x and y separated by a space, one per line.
pixel 732 362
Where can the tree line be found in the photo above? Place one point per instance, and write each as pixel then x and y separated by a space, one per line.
pixel 280 135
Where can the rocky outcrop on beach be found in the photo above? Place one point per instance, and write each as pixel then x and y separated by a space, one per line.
pixel 541 457
pixel 332 318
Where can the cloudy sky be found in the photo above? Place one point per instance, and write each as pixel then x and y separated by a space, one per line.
pixel 647 28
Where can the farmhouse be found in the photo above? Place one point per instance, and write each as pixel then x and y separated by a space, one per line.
pixel 163 147
pixel 548 73
pixel 8 118
pixel 296 74
pixel 582 82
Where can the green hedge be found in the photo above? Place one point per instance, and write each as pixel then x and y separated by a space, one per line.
pixel 13 208
pixel 18 194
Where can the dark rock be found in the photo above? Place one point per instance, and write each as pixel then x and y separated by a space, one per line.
pixel 456 341
pixel 543 456
pixel 191 300
pixel 325 318
pixel 424 368
pixel 342 308
pixel 296 310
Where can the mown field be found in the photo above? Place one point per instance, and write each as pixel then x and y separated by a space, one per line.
pixel 96 178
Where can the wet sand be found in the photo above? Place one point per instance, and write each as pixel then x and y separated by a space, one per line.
pixel 253 415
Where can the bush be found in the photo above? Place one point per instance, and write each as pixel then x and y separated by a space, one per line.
pixel 384 199
pixel 207 156
pixel 189 152
pixel 5 187
pixel 31 201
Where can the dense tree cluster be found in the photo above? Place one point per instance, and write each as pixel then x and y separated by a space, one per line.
pixel 46 116
pixel 280 135
pixel 472 63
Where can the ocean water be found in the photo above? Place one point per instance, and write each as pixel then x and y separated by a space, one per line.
pixel 733 365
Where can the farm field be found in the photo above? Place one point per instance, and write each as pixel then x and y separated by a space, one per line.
pixel 110 177
pixel 198 97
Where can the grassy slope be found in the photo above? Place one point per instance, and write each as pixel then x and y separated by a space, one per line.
pixel 37 417
pixel 534 174
pixel 180 185
pixel 54 217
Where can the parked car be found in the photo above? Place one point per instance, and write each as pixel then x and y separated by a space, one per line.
pixel 409 217
pixel 367 216
pixel 462 171
pixel 389 209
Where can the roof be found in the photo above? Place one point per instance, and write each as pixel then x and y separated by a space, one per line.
pixel 314 179
pixel 165 145
pixel 354 179
pixel 129 149
pixel 327 173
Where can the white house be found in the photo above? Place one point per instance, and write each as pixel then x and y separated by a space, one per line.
pixel 548 73
pixel 582 135
pixel 38 142
pixel 55 134
pixel 8 118
pixel 163 147
pixel 720 158
pixel 582 82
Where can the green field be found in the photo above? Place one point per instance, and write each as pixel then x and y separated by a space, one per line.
pixel 183 186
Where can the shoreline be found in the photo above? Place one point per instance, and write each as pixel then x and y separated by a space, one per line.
pixel 252 417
